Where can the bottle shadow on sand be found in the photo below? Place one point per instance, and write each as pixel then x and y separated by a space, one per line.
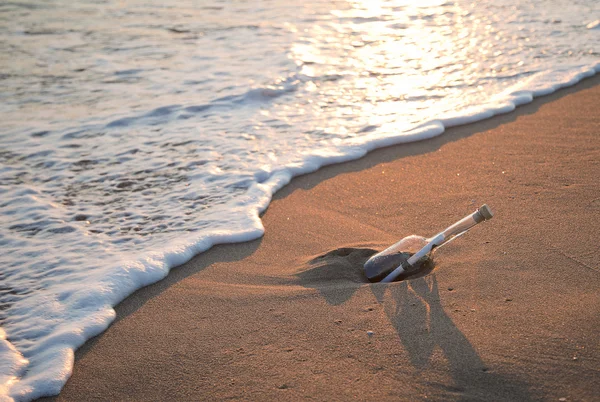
pixel 414 309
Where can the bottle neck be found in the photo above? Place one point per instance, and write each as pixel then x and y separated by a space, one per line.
pixel 462 225
pixel 466 223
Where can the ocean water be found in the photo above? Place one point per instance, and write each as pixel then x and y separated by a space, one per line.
pixel 137 134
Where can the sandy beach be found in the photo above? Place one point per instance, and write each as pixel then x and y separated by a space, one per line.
pixel 511 311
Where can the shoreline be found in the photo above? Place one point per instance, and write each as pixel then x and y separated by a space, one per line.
pixel 343 212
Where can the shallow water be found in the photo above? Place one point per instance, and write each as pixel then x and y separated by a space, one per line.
pixel 137 134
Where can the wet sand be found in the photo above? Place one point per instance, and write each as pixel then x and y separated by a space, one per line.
pixel 510 311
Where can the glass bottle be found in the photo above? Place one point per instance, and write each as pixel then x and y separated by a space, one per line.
pixel 409 254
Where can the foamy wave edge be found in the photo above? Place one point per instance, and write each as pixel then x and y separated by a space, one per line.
pixel 46 373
